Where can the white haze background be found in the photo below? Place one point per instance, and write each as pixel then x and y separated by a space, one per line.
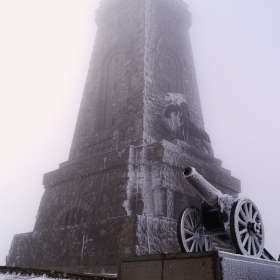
pixel 44 54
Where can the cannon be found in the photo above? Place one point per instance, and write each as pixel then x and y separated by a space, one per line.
pixel 235 223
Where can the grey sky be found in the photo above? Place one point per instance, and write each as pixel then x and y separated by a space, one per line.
pixel 44 54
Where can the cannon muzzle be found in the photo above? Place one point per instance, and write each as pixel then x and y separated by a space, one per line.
pixel 208 192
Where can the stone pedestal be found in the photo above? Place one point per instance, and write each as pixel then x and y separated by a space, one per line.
pixel 199 266
pixel 128 208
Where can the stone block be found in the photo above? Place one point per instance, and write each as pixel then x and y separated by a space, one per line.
pixel 198 266
pixel 148 270
pixel 192 269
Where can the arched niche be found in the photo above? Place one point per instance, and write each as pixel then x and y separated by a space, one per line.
pixel 73 214
pixel 115 82
pixel 170 66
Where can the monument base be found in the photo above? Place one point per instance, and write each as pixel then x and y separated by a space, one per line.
pixel 93 247
pixel 200 266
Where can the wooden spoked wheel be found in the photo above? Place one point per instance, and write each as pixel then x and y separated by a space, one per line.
pixel 190 231
pixel 247 228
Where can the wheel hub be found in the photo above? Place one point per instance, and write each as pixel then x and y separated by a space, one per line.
pixel 254 227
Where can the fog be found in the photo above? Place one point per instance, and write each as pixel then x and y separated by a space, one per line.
pixel 44 54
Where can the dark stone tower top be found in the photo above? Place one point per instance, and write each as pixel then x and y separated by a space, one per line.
pixel 141 64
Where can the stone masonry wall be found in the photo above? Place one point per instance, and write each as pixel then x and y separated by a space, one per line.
pixel 102 243
pixel 135 214
pixel 97 186
pixel 166 43
pixel 159 188
pixel 113 95
pixel 156 236
pixel 142 51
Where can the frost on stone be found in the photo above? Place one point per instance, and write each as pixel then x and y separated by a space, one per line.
pixel 18 276
pixel 155 236
pixel 244 267
pixel 179 125
pixel 225 202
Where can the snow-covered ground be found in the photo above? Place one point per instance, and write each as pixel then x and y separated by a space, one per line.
pixel 9 276
pixel 18 276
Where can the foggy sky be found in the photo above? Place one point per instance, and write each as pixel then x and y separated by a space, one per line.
pixel 44 55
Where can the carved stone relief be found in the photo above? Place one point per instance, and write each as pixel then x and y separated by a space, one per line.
pixel 178 124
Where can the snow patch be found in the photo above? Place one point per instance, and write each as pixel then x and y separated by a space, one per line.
pixel 12 276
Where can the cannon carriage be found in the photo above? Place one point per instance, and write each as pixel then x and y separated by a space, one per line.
pixel 237 223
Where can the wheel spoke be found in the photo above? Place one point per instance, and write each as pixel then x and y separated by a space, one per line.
pixel 247 228
pixel 190 218
pixel 257 242
pixel 243 215
pixel 243 231
pixel 192 247
pixel 245 240
pixel 249 245
pixel 251 210
pixel 255 216
pixel 242 223
pixel 246 210
pixel 188 231
pixel 265 257
pixel 189 239
pixel 253 245
pixel 190 223
pixel 187 222
pixel 195 221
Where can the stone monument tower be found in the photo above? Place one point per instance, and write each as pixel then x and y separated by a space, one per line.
pixel 140 123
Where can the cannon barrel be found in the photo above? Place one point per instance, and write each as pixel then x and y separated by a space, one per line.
pixel 207 191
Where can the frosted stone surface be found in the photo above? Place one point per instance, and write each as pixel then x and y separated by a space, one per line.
pixel 247 268
pixel 214 265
